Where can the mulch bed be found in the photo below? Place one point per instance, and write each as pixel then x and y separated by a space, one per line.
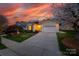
pixel 71 43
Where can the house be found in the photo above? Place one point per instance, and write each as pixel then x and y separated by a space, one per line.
pixel 37 26
pixel 34 26
pixel 31 25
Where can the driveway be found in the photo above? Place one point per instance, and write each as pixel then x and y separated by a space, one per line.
pixel 42 44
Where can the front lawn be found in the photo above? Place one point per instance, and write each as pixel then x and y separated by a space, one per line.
pixel 63 48
pixel 20 37
pixel 1 45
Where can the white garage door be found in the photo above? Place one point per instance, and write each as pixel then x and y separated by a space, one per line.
pixel 49 29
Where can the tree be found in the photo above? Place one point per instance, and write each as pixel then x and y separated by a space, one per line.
pixel 70 14
pixel 3 23
pixel 12 30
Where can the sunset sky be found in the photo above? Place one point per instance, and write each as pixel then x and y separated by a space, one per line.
pixel 26 11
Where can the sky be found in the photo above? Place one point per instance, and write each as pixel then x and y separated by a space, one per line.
pixel 26 11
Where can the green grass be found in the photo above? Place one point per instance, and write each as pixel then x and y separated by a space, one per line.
pixel 64 49
pixel 2 46
pixel 20 37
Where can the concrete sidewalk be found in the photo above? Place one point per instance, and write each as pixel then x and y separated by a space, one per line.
pixel 7 52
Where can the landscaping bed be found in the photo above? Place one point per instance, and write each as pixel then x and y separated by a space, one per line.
pixel 20 37
pixel 67 44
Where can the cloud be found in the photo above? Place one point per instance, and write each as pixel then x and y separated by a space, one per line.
pixel 6 8
pixel 26 11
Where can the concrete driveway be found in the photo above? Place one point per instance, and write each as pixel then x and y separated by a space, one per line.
pixel 42 44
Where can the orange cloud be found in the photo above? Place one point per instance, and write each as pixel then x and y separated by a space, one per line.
pixel 11 10
pixel 37 11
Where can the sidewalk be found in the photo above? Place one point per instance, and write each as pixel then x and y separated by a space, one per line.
pixel 7 52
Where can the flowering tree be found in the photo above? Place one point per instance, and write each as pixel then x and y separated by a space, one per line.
pixel 69 13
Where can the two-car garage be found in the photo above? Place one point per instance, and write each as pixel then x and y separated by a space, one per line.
pixel 49 26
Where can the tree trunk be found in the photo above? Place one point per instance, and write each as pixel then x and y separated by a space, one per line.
pixel 76 28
